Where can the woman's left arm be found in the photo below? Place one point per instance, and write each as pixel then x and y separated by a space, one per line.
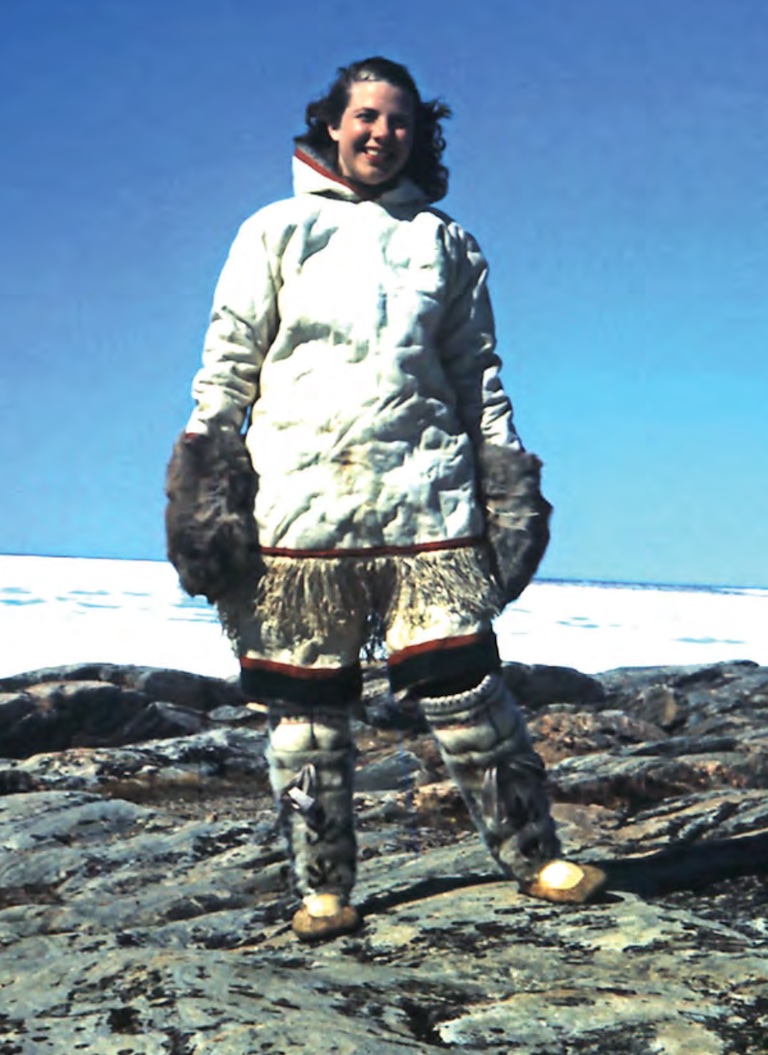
pixel 468 349
pixel 508 477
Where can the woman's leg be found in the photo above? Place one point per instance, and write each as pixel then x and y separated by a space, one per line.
pixel 442 649
pixel 305 663
pixel 485 745
pixel 311 767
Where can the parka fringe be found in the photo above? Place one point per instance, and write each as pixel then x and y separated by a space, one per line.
pixel 308 596
pixel 313 593
pixel 458 580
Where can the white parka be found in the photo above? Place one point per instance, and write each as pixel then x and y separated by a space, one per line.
pixel 360 336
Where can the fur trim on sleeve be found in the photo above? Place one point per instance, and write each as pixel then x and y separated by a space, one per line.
pixel 210 528
pixel 517 515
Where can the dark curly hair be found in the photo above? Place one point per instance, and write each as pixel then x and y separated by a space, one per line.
pixel 424 165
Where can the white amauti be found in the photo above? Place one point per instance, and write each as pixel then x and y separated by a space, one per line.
pixel 561 875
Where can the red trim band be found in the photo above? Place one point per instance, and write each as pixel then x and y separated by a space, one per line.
pixel 439 645
pixel 312 686
pixel 374 551
pixel 288 669
pixel 318 166
pixel 446 661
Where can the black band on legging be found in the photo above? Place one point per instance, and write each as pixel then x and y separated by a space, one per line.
pixel 315 686
pixel 438 668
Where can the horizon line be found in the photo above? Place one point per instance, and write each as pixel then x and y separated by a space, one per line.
pixel 553 580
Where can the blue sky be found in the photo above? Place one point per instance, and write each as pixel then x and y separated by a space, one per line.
pixel 609 155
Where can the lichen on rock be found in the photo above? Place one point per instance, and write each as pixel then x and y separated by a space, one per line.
pixel 143 891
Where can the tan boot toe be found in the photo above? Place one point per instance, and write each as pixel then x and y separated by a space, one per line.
pixel 566 882
pixel 324 916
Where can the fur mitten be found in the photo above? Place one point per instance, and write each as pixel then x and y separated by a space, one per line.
pixel 517 515
pixel 210 529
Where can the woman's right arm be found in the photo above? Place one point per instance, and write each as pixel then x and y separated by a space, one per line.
pixel 243 323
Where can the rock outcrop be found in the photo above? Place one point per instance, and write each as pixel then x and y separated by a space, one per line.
pixel 143 899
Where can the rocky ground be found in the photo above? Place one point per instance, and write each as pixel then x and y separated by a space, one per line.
pixel 143 903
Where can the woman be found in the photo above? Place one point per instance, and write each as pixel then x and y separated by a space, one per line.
pixel 352 327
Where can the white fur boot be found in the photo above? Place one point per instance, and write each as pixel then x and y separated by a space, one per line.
pixel 486 747
pixel 311 768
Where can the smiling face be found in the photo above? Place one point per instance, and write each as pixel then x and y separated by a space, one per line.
pixel 375 133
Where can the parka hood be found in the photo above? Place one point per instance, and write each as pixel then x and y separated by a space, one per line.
pixel 312 175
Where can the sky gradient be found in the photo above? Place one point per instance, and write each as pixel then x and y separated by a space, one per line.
pixel 609 155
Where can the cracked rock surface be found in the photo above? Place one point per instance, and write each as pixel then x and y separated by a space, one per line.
pixel 144 906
